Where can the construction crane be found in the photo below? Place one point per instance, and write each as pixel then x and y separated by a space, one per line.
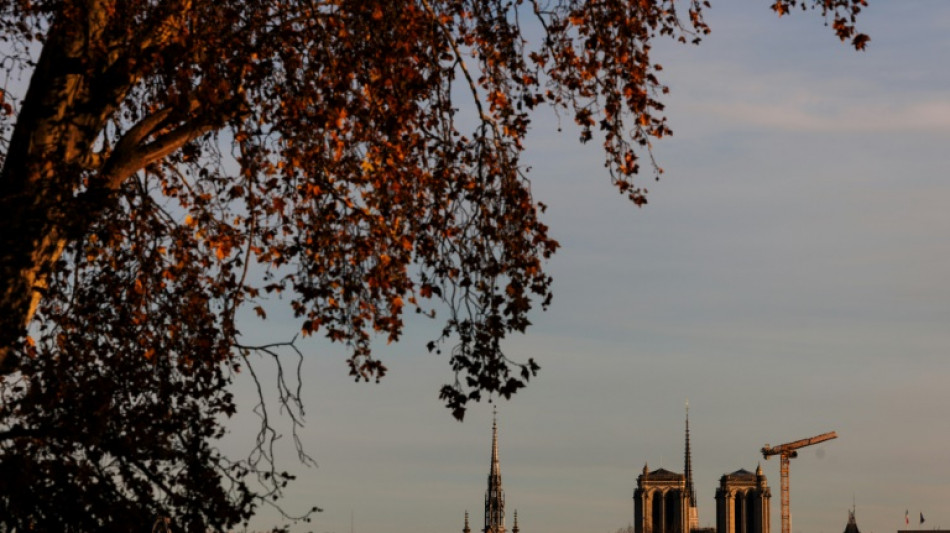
pixel 786 452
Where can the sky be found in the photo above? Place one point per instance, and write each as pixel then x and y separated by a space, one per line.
pixel 788 278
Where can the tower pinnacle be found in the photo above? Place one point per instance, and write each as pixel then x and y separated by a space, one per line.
pixel 688 466
pixel 495 495
pixel 495 467
pixel 688 473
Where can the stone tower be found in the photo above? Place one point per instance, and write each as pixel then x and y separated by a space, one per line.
pixel 664 501
pixel 660 502
pixel 742 502
pixel 495 495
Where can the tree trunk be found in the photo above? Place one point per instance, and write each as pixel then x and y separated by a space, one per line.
pixel 50 190
pixel 58 123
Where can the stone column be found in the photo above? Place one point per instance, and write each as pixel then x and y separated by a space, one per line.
pixel 661 526
pixel 730 512
pixel 643 511
pixel 723 508
pixel 684 512
pixel 742 525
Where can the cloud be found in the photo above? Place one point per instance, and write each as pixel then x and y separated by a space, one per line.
pixel 803 115
pixel 836 91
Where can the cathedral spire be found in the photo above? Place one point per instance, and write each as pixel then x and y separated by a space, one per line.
pixel 495 495
pixel 688 466
pixel 693 512
pixel 495 466
pixel 466 530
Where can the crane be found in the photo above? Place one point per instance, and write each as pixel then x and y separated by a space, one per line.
pixel 786 452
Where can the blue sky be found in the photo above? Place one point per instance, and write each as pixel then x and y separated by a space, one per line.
pixel 789 277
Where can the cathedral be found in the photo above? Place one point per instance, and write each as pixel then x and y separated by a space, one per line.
pixel 495 495
pixel 665 501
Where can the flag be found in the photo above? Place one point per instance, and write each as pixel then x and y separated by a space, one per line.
pixel 907 516
pixel 921 518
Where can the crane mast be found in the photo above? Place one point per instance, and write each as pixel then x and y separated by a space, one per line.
pixel 786 452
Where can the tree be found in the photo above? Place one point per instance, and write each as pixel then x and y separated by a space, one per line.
pixel 172 162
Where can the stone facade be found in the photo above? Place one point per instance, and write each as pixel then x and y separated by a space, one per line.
pixel 661 502
pixel 665 501
pixel 742 502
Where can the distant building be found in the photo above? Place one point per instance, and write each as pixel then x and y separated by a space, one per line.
pixel 665 501
pixel 661 502
pixel 855 530
pixel 495 495
pixel 742 502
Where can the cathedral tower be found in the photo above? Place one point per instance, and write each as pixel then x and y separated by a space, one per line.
pixel 664 501
pixel 660 504
pixel 742 502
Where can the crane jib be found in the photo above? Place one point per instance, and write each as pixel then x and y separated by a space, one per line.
pixel 788 447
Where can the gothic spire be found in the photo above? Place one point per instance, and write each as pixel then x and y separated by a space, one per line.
pixel 495 495
pixel 688 466
pixel 495 467
pixel 466 530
